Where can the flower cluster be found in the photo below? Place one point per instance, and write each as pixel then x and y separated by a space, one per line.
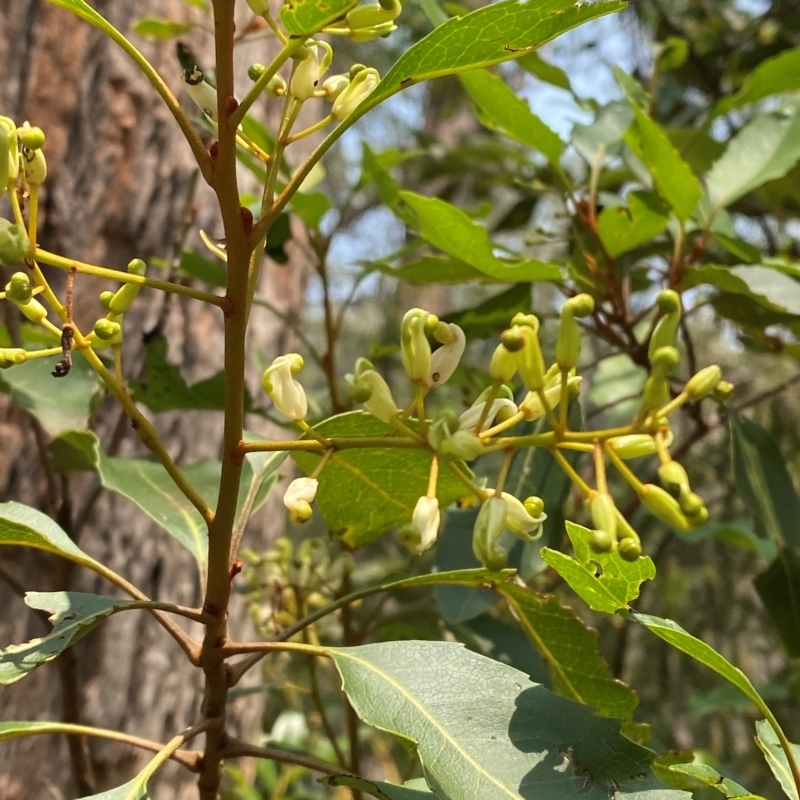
pixel 432 349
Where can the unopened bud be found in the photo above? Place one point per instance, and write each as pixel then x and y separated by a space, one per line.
pixel 723 391
pixel 691 504
pixel 669 304
pixel 420 535
pixel 534 505
pixel 530 360
pixel 14 244
pixel 503 365
pixel 12 357
pixel 19 290
pixel 703 383
pixel 258 7
pixel 334 86
pixel 663 505
pixel 361 86
pixel 568 344
pixel 630 549
pixel 369 15
pixel 34 166
pixel 664 361
pixel 124 296
pixel 415 348
pixel 602 541
pixel 604 513
pixel 298 498
pixel 633 445
pixel 674 479
pixel 463 445
pixel 285 392
pixel 107 329
pixel 105 299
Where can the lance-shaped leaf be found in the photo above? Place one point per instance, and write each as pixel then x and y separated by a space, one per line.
pixel 777 75
pixel 73 615
pixel 604 581
pixel 672 176
pixel 767 740
pixel 483 729
pixel 502 110
pixel 364 492
pixel 764 481
pixel 492 34
pixel 779 588
pixel 147 483
pixel 22 525
pixel 766 148
pixel 451 230
pixel 570 650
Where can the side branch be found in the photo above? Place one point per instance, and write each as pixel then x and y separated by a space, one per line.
pixel 236 748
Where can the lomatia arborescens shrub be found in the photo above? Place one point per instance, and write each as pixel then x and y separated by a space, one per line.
pixel 399 463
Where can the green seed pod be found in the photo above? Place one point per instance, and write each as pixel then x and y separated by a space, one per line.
pixel 604 513
pixel 503 365
pixel 12 356
pixel 19 290
pixel 674 479
pixel 568 344
pixel 703 383
pixel 602 541
pixel 669 304
pixel 107 329
pixel 630 549
pixel 663 505
pixel 488 527
pixel 723 391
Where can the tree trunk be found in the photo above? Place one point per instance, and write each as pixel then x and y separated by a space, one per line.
pixel 118 187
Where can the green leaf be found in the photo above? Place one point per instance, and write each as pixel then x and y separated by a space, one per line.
pixel 775 75
pixel 25 526
pixel 311 207
pixel 493 315
pixel 379 789
pixel 454 553
pixel 59 404
pixel 432 269
pixel 160 29
pixel 673 634
pixel 146 483
pixel 622 229
pixel 549 73
pixel 366 492
pixel 162 387
pixel 606 131
pixel 768 287
pixel 763 480
pixel 766 148
pixel 571 652
pixel 73 615
pixel 309 16
pixel 502 110
pixel 214 273
pixel 608 588
pixel 672 176
pixel 708 776
pixel 451 230
pixel 770 746
pixel 483 729
pixel 491 34
pixel 779 588
pixel 73 451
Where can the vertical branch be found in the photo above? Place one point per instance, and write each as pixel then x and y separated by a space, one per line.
pixel 218 587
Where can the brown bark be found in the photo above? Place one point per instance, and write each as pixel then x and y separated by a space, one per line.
pixel 117 188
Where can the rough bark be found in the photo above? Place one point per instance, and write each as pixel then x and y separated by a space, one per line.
pixel 117 188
